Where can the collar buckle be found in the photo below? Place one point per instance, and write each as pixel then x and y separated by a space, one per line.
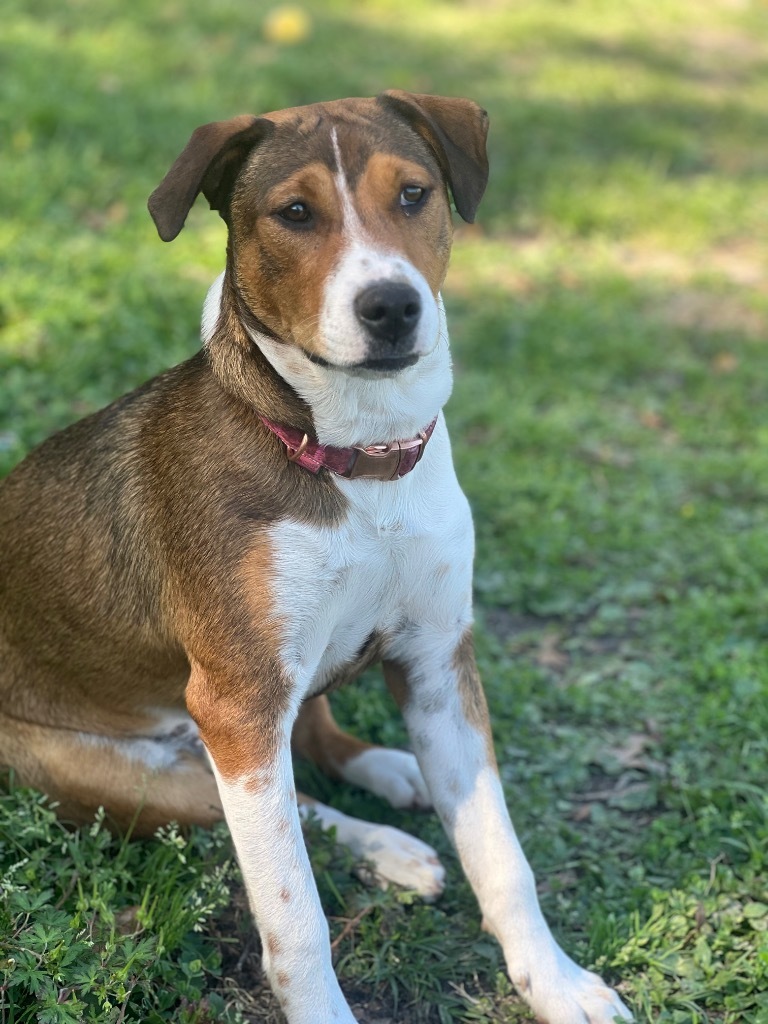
pixel 383 461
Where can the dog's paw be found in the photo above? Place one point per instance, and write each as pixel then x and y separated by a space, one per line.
pixel 393 775
pixel 560 992
pixel 395 857
pixel 389 855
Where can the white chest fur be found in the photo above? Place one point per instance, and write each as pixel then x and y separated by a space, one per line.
pixel 402 556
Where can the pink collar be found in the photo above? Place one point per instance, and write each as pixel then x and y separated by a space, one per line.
pixel 376 462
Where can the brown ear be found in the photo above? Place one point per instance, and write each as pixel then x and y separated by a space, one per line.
pixel 456 130
pixel 209 164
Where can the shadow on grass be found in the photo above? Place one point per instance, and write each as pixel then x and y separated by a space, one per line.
pixel 133 86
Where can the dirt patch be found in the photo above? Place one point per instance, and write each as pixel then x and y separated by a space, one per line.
pixel 522 268
pixel 722 44
pixel 695 309
pixel 740 262
pixel 505 624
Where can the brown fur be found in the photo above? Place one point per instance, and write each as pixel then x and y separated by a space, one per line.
pixel 473 702
pixel 134 566
pixel 397 682
pixel 425 239
pixel 81 776
pixel 317 737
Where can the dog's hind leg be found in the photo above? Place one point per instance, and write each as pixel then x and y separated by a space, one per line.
pixel 141 782
pixel 392 774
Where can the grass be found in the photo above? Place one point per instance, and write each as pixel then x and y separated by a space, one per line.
pixel 609 315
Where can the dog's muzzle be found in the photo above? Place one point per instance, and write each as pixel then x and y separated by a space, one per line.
pixel 389 311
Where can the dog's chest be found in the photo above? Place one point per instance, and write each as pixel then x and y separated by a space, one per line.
pixel 403 555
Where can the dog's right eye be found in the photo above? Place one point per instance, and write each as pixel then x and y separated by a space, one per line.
pixel 296 213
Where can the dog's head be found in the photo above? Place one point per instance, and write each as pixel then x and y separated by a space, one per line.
pixel 339 218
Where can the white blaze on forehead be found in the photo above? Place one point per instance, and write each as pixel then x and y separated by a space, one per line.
pixel 352 225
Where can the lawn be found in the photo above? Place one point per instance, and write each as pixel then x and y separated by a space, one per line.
pixel 609 316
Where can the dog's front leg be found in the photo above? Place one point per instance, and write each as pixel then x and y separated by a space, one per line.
pixel 435 681
pixel 248 738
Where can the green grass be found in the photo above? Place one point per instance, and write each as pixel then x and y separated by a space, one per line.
pixel 609 317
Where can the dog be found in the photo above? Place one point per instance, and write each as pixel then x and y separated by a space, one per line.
pixel 185 574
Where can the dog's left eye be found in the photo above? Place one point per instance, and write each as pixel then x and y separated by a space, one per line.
pixel 296 213
pixel 411 195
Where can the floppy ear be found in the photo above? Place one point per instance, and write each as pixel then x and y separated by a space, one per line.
pixel 209 164
pixel 456 130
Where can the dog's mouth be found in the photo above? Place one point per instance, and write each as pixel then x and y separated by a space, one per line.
pixel 379 366
pixel 393 365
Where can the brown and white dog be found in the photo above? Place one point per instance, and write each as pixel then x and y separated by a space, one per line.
pixel 194 566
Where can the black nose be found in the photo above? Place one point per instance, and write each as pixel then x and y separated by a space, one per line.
pixel 388 310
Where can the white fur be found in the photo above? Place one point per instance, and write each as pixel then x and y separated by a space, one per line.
pixel 393 856
pixel 211 309
pixel 400 565
pixel 175 723
pixel 352 226
pixel 263 818
pixel 379 570
pixel 392 774
pixel 365 406
pixel 356 406
pixel 154 754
